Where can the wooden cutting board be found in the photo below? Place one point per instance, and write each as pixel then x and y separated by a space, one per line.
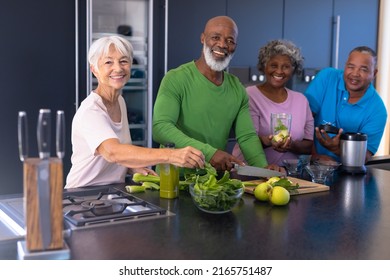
pixel 304 186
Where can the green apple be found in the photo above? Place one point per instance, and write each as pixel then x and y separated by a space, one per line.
pixel 277 138
pixel 281 136
pixel 262 191
pixel 284 133
pixel 273 179
pixel 279 196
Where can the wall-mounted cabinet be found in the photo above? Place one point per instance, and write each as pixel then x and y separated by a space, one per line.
pixel 358 25
pixel 328 30
pixel 258 21
pixel 309 25
pixel 325 30
pixel 185 23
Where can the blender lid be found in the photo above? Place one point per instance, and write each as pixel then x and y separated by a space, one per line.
pixel 352 136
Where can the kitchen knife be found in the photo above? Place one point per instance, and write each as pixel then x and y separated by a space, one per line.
pixel 44 202
pixel 60 134
pixel 22 135
pixel 43 137
pixel 257 171
pixel 43 133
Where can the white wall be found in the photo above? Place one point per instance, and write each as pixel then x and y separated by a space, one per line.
pixel 383 76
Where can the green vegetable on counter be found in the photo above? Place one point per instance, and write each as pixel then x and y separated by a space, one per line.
pixel 139 178
pixel 142 188
pixel 285 183
pixel 216 195
pixel 249 184
pixel 135 188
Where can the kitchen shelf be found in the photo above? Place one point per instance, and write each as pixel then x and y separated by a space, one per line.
pixel 126 88
pixel 107 16
pixel 137 125
pixel 140 45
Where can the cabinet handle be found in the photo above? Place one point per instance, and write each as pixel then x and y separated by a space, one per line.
pixel 337 43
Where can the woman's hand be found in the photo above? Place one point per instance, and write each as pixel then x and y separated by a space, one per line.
pixel 283 145
pixel 266 140
pixel 142 170
pixel 187 157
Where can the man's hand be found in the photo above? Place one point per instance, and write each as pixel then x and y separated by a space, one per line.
pixel 331 143
pixel 222 161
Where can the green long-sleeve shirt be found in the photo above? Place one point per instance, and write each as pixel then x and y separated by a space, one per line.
pixel 192 111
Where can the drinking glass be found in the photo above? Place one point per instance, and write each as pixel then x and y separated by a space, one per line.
pixel 280 125
pixel 318 173
pixel 292 166
pixel 295 167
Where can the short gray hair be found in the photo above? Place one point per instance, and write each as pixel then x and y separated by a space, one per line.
pixel 101 46
pixel 365 49
pixel 280 47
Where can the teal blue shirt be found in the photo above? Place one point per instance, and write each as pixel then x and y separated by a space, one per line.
pixel 328 99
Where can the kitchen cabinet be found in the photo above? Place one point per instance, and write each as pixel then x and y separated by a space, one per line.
pixel 185 22
pixel 327 30
pixel 258 21
pixel 309 25
pixel 358 26
pixel 38 55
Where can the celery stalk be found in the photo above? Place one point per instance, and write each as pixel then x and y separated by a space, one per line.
pixel 138 178
pixel 135 188
pixel 150 185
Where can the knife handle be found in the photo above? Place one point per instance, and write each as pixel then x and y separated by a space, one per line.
pixel 22 135
pixel 43 133
pixel 60 134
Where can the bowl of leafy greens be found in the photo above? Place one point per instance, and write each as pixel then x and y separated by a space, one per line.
pixel 216 196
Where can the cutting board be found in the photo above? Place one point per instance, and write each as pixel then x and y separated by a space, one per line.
pixel 304 186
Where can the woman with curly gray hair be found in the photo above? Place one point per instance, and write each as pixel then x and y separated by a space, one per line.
pixel 279 60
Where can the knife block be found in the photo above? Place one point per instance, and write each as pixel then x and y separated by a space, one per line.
pixel 51 171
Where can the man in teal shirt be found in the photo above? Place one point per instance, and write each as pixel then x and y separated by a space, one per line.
pixel 348 100
pixel 198 103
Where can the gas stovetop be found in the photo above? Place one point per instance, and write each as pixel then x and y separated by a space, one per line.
pixel 107 205
pixel 83 208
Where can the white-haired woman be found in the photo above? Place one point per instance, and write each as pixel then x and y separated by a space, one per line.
pixel 279 60
pixel 101 141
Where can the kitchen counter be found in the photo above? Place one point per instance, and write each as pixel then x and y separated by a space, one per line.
pixel 351 221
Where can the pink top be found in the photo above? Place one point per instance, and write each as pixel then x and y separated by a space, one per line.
pixel 302 123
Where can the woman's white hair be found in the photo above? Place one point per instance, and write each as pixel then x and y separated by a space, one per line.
pixel 101 46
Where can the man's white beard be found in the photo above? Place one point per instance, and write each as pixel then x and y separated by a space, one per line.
pixel 214 64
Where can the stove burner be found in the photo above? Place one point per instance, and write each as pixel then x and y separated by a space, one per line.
pixel 107 206
pixel 103 207
pixel 96 203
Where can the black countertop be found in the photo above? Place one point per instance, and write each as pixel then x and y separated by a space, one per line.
pixel 351 221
